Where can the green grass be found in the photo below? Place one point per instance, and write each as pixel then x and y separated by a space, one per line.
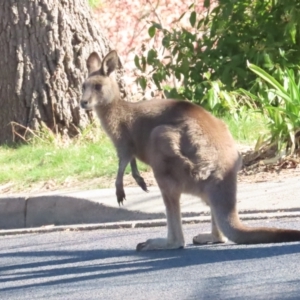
pixel 248 128
pixel 86 158
pixel 43 162
pixel 32 163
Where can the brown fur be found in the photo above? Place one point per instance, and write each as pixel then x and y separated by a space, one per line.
pixel 189 150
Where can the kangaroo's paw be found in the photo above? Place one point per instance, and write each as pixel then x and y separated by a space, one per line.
pixel 120 195
pixel 141 182
pixel 208 238
pixel 159 244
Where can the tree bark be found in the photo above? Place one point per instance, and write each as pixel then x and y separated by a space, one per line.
pixel 44 45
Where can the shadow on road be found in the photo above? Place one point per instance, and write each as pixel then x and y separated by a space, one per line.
pixel 75 266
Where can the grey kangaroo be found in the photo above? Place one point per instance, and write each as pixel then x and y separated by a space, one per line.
pixel 189 150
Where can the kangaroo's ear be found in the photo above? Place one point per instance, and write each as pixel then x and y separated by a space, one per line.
pixel 93 63
pixel 110 63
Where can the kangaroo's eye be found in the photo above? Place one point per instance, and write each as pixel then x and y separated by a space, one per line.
pixel 98 87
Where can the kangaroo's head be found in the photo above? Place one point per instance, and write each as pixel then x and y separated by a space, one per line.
pixel 100 89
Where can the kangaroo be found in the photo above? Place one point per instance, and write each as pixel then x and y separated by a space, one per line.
pixel 189 150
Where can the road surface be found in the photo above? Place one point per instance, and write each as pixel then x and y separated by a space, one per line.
pixel 102 264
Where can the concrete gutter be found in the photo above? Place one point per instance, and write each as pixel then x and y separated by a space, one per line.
pixel 143 223
pixel 99 208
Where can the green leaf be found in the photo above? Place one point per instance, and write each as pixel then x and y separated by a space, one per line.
pixel 282 53
pixel 292 31
pixel 268 61
pixel 166 41
pixel 185 66
pixel 143 82
pixel 259 142
pixel 200 23
pixel 144 64
pixel 248 94
pixel 193 18
pixel 137 62
pixel 206 3
pixel 152 55
pixel 229 99
pixel 151 31
pixel 293 88
pixel 268 78
pixel 156 80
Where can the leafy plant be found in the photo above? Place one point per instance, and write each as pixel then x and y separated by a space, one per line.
pixel 280 103
pixel 218 42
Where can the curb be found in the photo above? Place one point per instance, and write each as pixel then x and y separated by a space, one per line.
pixel 146 223
pixel 79 210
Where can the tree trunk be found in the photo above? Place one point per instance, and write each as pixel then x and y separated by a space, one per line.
pixel 44 45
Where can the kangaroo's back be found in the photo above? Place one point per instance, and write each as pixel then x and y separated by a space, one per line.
pixel 147 115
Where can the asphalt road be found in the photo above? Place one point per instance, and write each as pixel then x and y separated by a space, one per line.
pixel 102 264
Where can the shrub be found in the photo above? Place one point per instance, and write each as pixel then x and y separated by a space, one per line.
pixel 280 104
pixel 209 59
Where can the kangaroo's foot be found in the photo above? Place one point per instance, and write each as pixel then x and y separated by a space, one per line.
pixel 208 238
pixel 159 244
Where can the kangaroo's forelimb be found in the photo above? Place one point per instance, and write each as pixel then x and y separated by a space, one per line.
pixel 136 175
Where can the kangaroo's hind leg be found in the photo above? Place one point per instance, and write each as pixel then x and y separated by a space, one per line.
pixel 164 159
pixel 175 239
pixel 216 236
